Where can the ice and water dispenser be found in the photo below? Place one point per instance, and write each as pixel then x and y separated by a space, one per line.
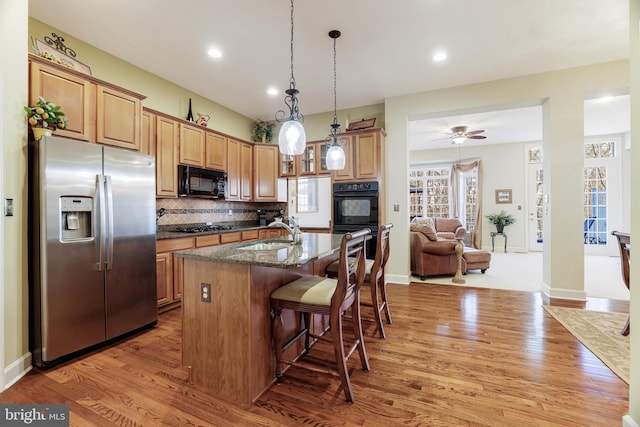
pixel 76 215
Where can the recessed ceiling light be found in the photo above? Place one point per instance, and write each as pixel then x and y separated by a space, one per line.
pixel 214 52
pixel 272 91
pixel 439 56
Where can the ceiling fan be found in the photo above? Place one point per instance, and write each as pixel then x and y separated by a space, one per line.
pixel 459 134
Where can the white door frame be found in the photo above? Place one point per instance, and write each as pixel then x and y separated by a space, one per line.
pixel 531 169
pixel 2 276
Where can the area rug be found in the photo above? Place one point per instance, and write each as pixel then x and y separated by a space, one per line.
pixel 599 331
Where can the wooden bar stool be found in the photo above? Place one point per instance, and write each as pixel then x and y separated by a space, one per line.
pixel 374 277
pixel 326 296
pixel 624 244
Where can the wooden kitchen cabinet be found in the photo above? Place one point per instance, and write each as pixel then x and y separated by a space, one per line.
pixel 345 174
pixel 73 92
pixel 363 157
pixel 233 169
pixel 192 145
pixel 265 160
pixel 97 111
pixel 169 277
pixel 215 151
pixel 287 166
pixel 246 171
pixel 166 157
pixel 118 116
pixel 306 162
pixel 148 133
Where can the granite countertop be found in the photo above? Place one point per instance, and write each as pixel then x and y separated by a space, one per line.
pixel 281 252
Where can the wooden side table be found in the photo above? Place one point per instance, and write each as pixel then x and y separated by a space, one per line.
pixel 493 237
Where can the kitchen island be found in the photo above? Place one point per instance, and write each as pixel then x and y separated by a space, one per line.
pixel 226 335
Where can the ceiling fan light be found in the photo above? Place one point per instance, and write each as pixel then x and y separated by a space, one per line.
pixel 335 157
pixel 458 139
pixel 292 138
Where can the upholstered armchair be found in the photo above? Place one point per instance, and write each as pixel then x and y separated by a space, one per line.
pixel 433 249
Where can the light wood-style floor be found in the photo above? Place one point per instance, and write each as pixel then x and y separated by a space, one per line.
pixel 454 356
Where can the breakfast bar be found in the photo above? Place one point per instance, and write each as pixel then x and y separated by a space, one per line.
pixel 226 337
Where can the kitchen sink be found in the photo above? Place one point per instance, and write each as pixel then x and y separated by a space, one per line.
pixel 271 246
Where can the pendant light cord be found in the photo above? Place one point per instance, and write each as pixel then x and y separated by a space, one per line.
pixel 292 81
pixel 335 96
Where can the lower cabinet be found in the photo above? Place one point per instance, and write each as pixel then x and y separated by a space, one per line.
pixel 169 268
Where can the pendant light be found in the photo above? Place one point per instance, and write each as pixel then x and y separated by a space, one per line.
pixel 292 138
pixel 335 153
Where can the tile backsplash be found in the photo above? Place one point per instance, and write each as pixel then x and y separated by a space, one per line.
pixel 191 211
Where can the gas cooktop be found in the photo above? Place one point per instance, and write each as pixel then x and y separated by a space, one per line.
pixel 203 228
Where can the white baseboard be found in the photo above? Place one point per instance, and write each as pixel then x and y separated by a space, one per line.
pixel 560 293
pixel 627 421
pixel 17 370
pixel 397 278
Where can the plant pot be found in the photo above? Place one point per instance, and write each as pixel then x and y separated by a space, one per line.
pixel 499 228
pixel 38 133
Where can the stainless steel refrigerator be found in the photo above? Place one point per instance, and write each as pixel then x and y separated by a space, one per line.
pixel 92 246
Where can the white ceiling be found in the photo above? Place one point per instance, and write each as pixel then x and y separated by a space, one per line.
pixel 385 48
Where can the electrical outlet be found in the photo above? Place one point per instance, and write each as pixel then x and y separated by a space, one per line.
pixel 205 292
pixel 8 207
pixel 230 212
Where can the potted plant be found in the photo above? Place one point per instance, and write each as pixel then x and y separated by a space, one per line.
pixel 45 117
pixel 501 220
pixel 262 132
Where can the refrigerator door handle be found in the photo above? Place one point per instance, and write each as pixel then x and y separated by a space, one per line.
pixel 102 224
pixel 109 195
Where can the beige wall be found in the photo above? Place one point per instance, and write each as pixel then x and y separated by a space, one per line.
pixel 13 67
pixel 548 89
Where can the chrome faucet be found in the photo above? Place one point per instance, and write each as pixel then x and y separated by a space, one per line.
pixel 294 229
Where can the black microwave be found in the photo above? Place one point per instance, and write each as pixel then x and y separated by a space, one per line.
pixel 197 182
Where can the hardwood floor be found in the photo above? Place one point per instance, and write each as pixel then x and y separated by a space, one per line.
pixel 454 356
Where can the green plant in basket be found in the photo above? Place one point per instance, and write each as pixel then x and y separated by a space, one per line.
pixel 46 115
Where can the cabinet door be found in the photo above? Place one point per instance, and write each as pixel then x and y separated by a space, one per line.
pixel 164 277
pixel 346 174
pixel 307 160
pixel 191 145
pixel 166 157
pixel 265 187
pixel 321 157
pixel 287 165
pixel 246 171
pixel 367 156
pixel 74 94
pixel 233 169
pixel 148 133
pixel 215 152
pixel 178 270
pixel 118 118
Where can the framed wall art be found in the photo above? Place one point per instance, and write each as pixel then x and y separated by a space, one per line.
pixel 503 196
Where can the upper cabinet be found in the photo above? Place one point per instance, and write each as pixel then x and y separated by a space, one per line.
pixel 192 143
pixel 215 151
pixel 148 133
pixel 75 94
pixel 363 156
pixel 97 111
pixel 167 133
pixel 239 174
pixel 265 177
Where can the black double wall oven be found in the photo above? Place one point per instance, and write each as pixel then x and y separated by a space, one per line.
pixel 355 206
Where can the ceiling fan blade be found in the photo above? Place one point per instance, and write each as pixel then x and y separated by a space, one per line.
pixel 476 137
pixel 475 132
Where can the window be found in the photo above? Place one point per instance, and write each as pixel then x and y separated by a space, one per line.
pixel 597 155
pixel 429 192
pixel 470 202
